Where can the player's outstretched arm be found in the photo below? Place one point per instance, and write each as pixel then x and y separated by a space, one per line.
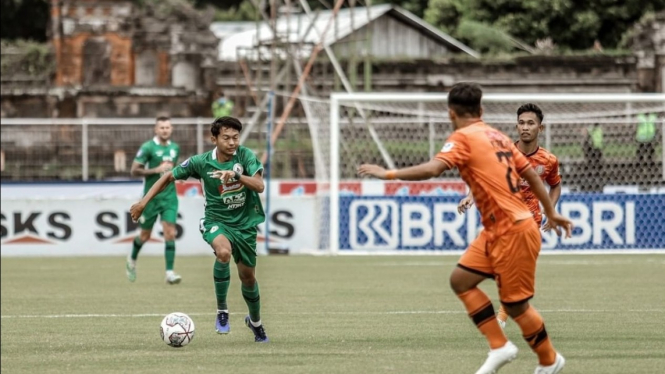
pixel 428 170
pixel 538 189
pixel 555 193
pixel 137 209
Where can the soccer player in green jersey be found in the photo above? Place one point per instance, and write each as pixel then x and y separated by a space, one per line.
pixel 155 158
pixel 232 178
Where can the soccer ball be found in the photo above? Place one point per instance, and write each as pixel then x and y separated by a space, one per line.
pixel 177 329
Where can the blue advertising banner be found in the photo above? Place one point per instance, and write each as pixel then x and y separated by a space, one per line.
pixel 602 221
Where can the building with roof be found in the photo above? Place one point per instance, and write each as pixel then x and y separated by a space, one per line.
pixel 385 31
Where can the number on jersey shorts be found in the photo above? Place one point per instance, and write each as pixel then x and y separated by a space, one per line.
pixel 243 241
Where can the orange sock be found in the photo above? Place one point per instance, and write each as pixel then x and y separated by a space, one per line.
pixel 480 309
pixel 502 315
pixel 533 330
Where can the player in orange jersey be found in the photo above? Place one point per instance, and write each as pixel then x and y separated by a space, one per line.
pixel 529 125
pixel 508 247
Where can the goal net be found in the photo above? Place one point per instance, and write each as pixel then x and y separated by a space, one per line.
pixel 613 189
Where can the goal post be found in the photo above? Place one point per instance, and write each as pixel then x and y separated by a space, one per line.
pixel 613 193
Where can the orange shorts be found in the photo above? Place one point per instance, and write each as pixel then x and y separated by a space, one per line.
pixel 510 259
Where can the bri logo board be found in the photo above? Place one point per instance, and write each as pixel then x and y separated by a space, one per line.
pixel 608 222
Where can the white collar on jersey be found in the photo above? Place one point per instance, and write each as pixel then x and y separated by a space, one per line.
pixel 156 140
pixel 214 153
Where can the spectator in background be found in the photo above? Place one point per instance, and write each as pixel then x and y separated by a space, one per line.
pixel 645 136
pixel 222 107
pixel 593 155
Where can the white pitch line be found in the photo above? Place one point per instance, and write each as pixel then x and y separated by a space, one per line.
pixel 397 312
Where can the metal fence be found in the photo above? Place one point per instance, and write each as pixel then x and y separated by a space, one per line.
pixel 85 149
pixel 43 149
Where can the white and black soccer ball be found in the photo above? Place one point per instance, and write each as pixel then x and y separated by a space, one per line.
pixel 177 330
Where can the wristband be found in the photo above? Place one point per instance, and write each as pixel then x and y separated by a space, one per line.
pixel 391 174
pixel 237 175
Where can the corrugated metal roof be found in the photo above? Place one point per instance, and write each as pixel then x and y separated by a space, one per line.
pixel 294 28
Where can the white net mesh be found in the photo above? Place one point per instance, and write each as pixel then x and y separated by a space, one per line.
pixel 411 132
pixel 399 131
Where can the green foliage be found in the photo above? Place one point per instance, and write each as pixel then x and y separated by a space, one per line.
pixel 416 7
pixel 446 14
pixel 243 12
pixel 25 57
pixel 628 37
pixel 485 38
pixel 571 24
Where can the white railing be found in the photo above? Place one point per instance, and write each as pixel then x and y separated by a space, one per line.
pixel 22 139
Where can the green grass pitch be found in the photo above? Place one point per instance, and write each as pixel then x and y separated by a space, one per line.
pixel 605 313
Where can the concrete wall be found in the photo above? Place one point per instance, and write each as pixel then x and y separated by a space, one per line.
pixel 59 103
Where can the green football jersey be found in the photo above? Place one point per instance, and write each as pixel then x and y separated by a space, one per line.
pixel 151 155
pixel 231 204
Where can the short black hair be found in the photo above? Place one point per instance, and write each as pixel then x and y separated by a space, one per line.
pixel 162 119
pixel 221 122
pixel 533 108
pixel 464 98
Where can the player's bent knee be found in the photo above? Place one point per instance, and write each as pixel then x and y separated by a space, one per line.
pixel 223 254
pixel 169 232
pixel 457 284
pixel 144 235
pixel 247 279
pixel 169 236
pixel 462 280
pixel 516 309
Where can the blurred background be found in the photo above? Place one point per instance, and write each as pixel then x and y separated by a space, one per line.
pixel 140 59
pixel 83 80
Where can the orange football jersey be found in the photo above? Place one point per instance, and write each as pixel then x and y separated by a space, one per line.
pixel 490 164
pixel 546 166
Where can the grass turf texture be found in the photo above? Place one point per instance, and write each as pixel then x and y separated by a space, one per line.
pixel 323 315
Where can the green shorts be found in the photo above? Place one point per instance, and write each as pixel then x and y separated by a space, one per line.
pixel 166 208
pixel 243 241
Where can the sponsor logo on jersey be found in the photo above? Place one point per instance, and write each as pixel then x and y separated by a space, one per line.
pixel 540 169
pixel 159 153
pixel 235 199
pixel 238 168
pixel 447 147
pixel 172 153
pixel 185 163
pixel 232 186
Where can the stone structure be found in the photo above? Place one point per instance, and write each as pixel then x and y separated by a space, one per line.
pixel 117 58
pixel 648 42
pixel 119 43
